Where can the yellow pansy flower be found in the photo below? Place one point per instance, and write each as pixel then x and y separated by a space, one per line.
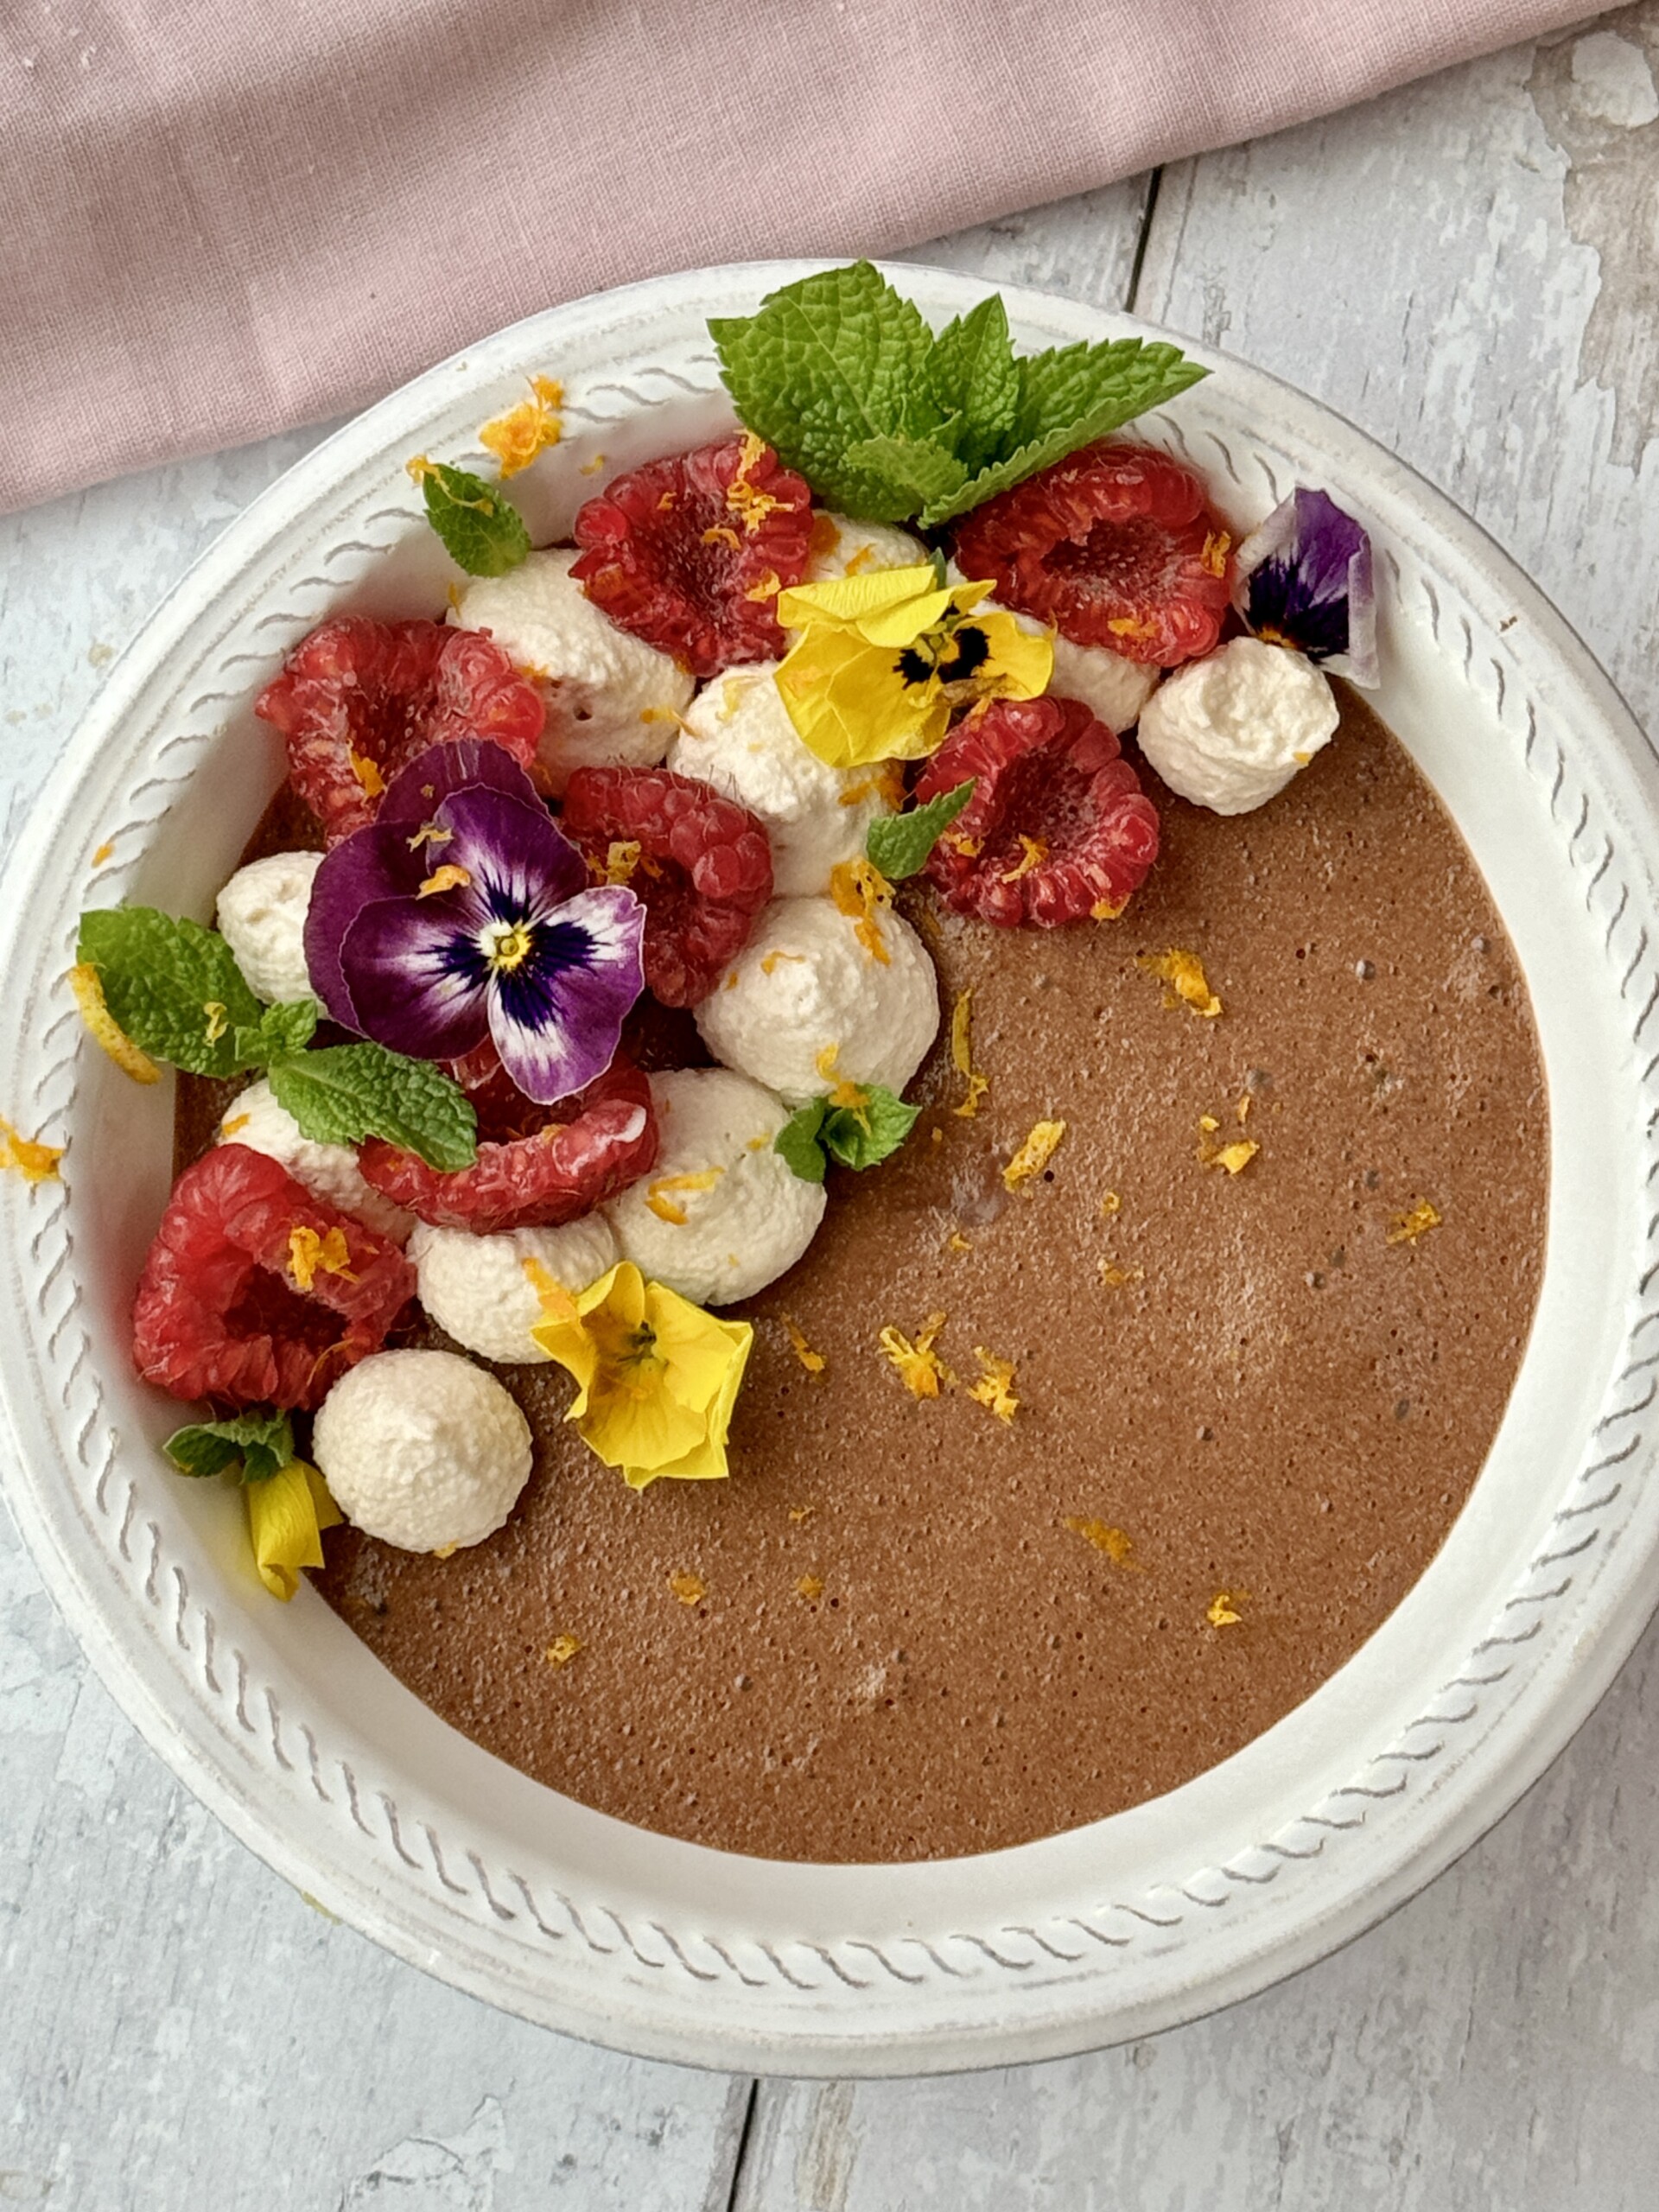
pixel 885 659
pixel 287 1516
pixel 657 1377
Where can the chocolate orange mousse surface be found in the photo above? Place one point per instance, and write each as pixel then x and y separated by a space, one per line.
pixel 906 1628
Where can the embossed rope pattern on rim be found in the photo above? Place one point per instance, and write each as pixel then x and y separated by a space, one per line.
pixel 270 1725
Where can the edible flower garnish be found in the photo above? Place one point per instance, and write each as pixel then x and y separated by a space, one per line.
pixel 885 660
pixel 920 1368
pixel 1033 1155
pixel 657 1377
pixel 1183 973
pixel 1304 580
pixel 517 437
pixel 995 1388
pixel 35 1163
pixel 1407 1228
pixel 514 945
pixel 286 1518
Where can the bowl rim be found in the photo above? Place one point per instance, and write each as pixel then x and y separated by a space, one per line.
pixel 840 1991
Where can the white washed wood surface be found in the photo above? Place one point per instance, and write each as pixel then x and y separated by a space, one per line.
pixel 1469 269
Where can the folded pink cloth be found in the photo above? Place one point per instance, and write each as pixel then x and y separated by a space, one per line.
pixel 224 220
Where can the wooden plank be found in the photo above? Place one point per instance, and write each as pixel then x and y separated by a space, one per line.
pixel 173 2014
pixel 1465 270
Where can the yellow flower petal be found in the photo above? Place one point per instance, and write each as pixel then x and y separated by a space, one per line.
pixel 855 599
pixel 657 1377
pixel 286 1518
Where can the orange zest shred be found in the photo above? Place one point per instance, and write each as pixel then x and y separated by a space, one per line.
pixel 690 1589
pixel 810 1586
pixel 1111 1203
pixel 995 1388
pixel 218 1019
pixel 1235 1157
pixel 450 877
pixel 826 533
pixel 557 1304
pixel 958 1242
pixel 1242 1111
pixel 622 859
pixel 1033 852
pixel 1217 546
pixel 771 961
pixel 367 773
pixel 35 1163
pixel 764 587
pixel 920 1368
pixel 718 534
pixel 1183 973
pixel 1033 1155
pixel 746 501
pixel 310 1256
pixel 102 1025
pixel 1107 910
pixel 229 1128
pixel 429 832
pixel 1407 1228
pixel 664 1206
pixel 592 467
pixel 104 852
pixel 527 430
pixel 860 891
pixel 802 1512
pixel 562 1651
pixel 1221 1611
pixel 962 1055
pixel 1127 626
pixel 1115 1277
pixel 1116 1543
pixel 813 1362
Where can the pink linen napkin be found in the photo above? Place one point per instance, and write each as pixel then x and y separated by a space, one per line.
pixel 224 219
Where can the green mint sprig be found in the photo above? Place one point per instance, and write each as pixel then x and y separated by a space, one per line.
pixel 899 844
pixel 890 423
pixel 855 1136
pixel 257 1444
pixel 176 989
pixel 482 531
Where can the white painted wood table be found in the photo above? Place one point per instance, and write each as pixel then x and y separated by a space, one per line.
pixel 1467 269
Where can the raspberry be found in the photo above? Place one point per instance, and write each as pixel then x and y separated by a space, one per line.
pixel 1059 828
pixel 690 553
pixel 256 1294
pixel 358 700
pixel 1117 546
pixel 705 870
pixel 583 1152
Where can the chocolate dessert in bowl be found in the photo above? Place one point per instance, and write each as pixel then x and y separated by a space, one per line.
pixel 860 1171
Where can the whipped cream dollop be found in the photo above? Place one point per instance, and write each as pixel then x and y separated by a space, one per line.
pixel 722 1214
pixel 1231 730
pixel 842 547
pixel 479 1292
pixel 1114 689
pixel 737 736
pixel 612 699
pixel 261 915
pixel 808 1005
pixel 329 1172
pixel 422 1449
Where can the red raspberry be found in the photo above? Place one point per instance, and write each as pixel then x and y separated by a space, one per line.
pixel 584 1151
pixel 690 553
pixel 358 700
pixel 242 1298
pixel 1059 828
pixel 1117 546
pixel 704 871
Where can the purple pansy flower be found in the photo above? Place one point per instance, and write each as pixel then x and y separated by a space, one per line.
pixel 462 912
pixel 1304 580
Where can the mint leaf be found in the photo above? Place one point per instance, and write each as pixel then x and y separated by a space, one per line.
pixel 797 1141
pixel 284 1029
pixel 346 1093
pixel 262 1444
pixel 899 844
pixel 860 1136
pixel 915 467
pixel 976 382
pixel 175 987
pixel 829 362
pixel 1068 398
pixel 483 532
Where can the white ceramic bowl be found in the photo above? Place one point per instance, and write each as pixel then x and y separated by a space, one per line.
pixel 280 1721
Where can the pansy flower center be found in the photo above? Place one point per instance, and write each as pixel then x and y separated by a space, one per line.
pixel 953 653
pixel 507 945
